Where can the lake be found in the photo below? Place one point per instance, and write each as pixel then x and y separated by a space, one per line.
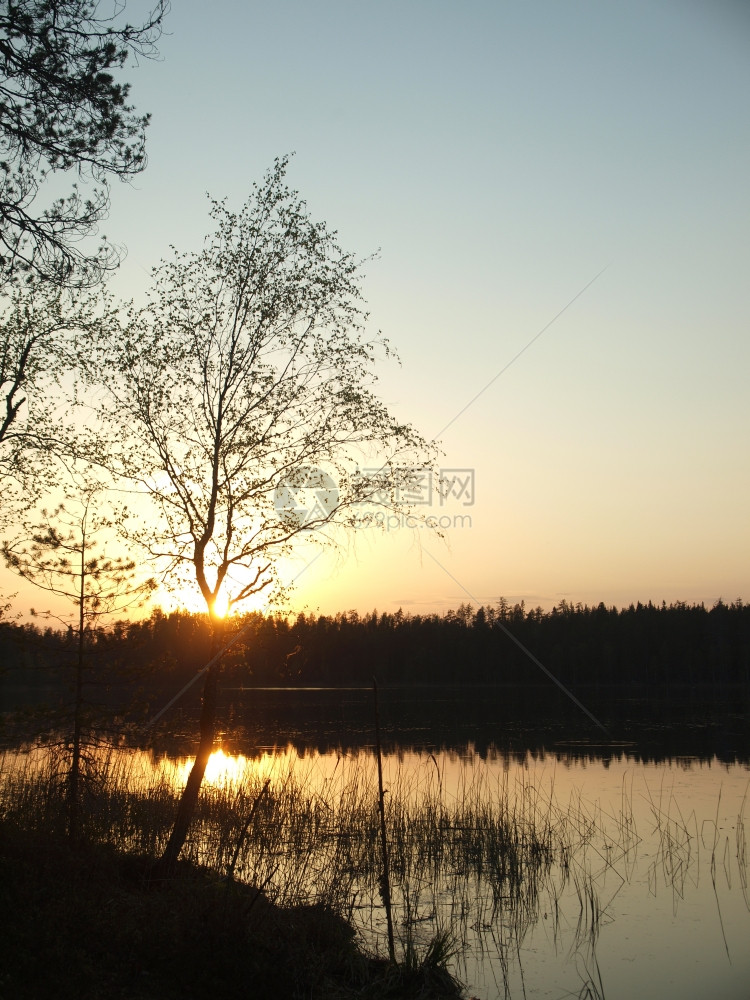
pixel 635 878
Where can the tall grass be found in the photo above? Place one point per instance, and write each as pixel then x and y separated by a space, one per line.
pixel 306 839
pixel 476 855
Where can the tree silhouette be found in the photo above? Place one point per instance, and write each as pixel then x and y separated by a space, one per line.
pixel 61 111
pixel 44 333
pixel 240 401
pixel 63 556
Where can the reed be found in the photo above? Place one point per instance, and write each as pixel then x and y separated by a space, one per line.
pixel 307 840
pixel 472 857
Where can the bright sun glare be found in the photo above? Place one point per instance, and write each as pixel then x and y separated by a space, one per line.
pixel 221 607
pixel 187 600
pixel 222 769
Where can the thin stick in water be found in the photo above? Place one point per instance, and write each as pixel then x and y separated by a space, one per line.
pixel 386 878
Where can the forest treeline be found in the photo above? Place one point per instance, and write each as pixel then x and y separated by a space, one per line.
pixel 633 648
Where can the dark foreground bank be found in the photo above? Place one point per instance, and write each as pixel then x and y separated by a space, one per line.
pixel 85 922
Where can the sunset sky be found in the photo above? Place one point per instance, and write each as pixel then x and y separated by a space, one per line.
pixel 572 174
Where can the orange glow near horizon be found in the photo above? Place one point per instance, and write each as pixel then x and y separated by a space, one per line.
pixel 192 601
pixel 221 607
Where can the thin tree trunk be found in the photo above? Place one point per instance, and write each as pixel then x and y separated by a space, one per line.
pixel 75 765
pixel 165 866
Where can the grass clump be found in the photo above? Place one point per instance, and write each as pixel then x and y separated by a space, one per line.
pixel 85 922
pixel 280 890
pixel 84 919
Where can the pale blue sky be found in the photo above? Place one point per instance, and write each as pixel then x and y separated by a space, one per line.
pixel 499 155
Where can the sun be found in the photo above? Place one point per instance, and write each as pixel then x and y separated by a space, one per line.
pixel 221 608
pixel 191 601
pixel 183 594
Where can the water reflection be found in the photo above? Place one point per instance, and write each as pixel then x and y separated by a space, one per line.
pixel 223 769
pixel 476 721
pixel 643 891
pixel 564 865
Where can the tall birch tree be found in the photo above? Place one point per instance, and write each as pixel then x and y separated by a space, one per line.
pixel 241 401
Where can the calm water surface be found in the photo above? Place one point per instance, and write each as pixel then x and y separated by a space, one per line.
pixel 653 903
pixel 651 900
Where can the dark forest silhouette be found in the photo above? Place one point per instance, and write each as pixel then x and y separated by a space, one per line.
pixel 641 646
pixel 673 678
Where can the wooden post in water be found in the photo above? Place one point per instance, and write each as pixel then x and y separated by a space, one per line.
pixel 386 876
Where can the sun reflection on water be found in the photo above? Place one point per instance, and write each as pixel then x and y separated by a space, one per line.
pixel 222 769
pixel 629 840
pixel 226 770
